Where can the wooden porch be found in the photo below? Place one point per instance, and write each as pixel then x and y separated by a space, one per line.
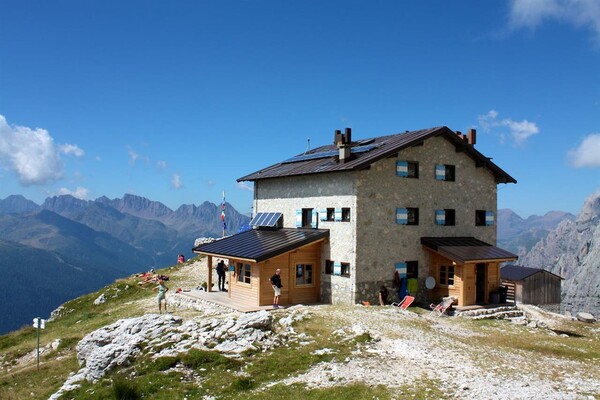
pixel 222 299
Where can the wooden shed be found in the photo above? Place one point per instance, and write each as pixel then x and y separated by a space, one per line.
pixel 531 285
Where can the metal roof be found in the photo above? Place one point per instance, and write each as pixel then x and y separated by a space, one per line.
pixel 466 249
pixel 258 245
pixel 379 148
pixel 518 272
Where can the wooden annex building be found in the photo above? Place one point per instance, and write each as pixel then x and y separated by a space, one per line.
pixel 254 256
pixel 468 269
pixel 531 285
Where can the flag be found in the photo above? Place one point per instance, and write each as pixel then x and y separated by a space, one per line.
pixel 223 212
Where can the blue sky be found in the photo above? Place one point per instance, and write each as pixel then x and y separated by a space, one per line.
pixel 174 101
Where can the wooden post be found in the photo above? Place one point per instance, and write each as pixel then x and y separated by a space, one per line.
pixel 209 283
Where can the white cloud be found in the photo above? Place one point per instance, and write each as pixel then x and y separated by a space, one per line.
pixel 245 186
pixel 80 193
pixel 579 13
pixel 71 149
pixel 519 131
pixel 176 181
pixel 588 152
pixel 161 164
pixel 30 153
pixel 133 155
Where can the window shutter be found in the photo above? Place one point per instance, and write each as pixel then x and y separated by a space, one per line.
pixel 440 217
pixel 323 214
pixel 402 269
pixel 440 172
pixel 299 218
pixel 489 218
pixel 402 216
pixel 402 168
pixel 338 215
pixel 313 219
pixel 337 268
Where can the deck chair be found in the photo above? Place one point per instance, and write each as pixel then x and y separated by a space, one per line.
pixel 405 303
pixel 441 308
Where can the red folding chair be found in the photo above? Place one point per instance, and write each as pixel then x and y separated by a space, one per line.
pixel 405 303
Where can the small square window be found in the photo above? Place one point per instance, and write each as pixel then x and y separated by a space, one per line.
pixel 328 267
pixel 330 214
pixel 346 214
pixel 407 169
pixel 345 269
pixel 445 217
pixel 445 172
pixel 413 216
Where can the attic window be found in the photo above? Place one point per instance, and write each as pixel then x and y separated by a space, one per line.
pixel 445 172
pixel 407 169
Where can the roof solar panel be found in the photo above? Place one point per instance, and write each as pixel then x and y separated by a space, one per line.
pixel 266 219
pixel 330 153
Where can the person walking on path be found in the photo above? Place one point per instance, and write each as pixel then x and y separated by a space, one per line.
pixel 162 290
pixel 276 282
pixel 221 268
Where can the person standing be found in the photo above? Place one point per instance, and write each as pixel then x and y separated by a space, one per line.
pixel 276 282
pixel 221 268
pixel 162 292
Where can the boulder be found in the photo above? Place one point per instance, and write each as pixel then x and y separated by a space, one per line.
pixel 585 317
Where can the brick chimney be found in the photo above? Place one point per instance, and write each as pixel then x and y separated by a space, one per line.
pixel 472 137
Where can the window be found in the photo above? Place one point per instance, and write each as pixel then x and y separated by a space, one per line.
pixel 407 169
pixel 484 218
pixel 346 214
pixel 244 272
pixel 446 275
pixel 328 267
pixel 407 216
pixel 445 217
pixel 304 274
pixel 306 217
pixel 444 172
pixel 330 214
pixel 345 269
pixel 412 269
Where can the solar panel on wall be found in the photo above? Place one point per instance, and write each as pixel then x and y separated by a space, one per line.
pixel 266 219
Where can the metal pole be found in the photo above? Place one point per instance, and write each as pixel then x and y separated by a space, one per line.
pixel 38 346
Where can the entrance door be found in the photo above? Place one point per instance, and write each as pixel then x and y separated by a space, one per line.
pixel 480 283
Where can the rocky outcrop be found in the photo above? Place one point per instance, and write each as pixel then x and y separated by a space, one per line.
pixel 121 343
pixel 572 251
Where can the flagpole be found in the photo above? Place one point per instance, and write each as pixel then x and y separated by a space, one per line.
pixel 223 213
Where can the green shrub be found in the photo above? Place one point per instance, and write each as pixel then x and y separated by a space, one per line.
pixel 243 384
pixel 125 390
pixel 202 359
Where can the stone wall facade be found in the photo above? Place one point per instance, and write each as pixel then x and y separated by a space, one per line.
pixel 372 242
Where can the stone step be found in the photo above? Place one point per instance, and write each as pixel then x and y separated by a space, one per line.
pixel 495 312
pixel 500 315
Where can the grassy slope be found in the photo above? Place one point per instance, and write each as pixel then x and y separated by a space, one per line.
pixel 199 373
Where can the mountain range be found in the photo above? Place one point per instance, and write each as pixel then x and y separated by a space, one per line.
pixel 65 247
